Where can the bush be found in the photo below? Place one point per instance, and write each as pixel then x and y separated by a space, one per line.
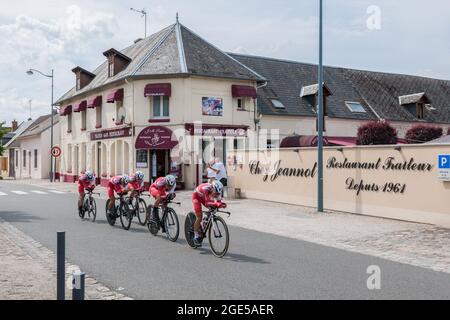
pixel 423 133
pixel 376 133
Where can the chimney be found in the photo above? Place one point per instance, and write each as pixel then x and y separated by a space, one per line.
pixel 14 125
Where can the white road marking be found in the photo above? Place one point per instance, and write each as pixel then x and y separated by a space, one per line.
pixel 20 192
pixel 39 192
pixel 3 194
pixel 58 192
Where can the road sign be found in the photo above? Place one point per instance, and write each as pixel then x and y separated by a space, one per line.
pixel 444 167
pixel 56 152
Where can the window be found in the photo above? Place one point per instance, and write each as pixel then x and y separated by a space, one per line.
pixel 98 117
pixel 277 104
pixel 241 104
pixel 24 158
pixel 120 116
pixel 78 82
pixel 420 111
pixel 17 158
pixel 110 67
pixel 83 120
pixel 35 158
pixel 69 123
pixel 160 106
pixel 355 107
pixel 141 159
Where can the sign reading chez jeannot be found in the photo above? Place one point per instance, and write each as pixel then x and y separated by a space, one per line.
pixel 111 134
pixel 273 172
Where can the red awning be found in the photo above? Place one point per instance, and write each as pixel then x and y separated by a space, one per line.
pixel 64 111
pixel 81 106
pixel 158 89
pixel 341 141
pixel 243 91
pixel 95 102
pixel 116 95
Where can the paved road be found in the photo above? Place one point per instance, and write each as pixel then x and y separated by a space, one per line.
pixel 258 265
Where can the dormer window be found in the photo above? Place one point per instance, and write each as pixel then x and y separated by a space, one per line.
pixel 117 62
pixel 83 78
pixel 415 104
pixel 277 104
pixel 311 93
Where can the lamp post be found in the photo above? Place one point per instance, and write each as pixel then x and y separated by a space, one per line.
pixel 320 120
pixel 30 73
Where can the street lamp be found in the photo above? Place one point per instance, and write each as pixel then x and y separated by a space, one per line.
pixel 30 72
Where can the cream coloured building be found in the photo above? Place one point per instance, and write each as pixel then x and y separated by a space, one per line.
pixel 142 109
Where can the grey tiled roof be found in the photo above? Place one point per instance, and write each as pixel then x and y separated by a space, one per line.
pixel 38 126
pixel 375 91
pixel 175 50
pixel 286 80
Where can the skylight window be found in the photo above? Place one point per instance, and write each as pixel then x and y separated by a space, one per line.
pixel 355 107
pixel 277 104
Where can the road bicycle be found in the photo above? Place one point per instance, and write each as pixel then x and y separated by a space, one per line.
pixel 89 206
pixel 212 227
pixel 122 210
pixel 168 220
pixel 139 207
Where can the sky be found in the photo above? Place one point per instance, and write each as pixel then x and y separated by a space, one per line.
pixel 409 37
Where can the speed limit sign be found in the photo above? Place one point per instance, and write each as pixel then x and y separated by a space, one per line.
pixel 56 152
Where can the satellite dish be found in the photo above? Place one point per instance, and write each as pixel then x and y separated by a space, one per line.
pixel 122 116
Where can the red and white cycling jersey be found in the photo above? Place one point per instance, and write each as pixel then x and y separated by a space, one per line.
pixel 85 183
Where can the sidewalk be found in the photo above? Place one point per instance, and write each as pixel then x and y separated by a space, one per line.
pixel 416 244
pixel 28 270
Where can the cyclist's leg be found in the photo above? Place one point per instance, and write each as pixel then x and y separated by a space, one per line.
pixel 157 196
pixel 198 217
pixel 111 197
pixel 81 196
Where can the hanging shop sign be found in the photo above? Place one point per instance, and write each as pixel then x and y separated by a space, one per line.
pixel 111 134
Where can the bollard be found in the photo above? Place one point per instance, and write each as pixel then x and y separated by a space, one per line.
pixel 78 286
pixel 60 266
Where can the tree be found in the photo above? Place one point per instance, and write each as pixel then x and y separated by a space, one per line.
pixel 423 133
pixel 376 133
pixel 3 131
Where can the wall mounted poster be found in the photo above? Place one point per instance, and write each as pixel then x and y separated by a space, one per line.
pixel 212 106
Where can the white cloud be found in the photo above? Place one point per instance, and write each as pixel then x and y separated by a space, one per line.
pixel 59 44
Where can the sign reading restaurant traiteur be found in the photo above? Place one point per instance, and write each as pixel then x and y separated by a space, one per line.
pixel 111 134
pixel 273 172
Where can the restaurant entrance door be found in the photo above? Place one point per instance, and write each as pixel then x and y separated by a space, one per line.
pixel 159 163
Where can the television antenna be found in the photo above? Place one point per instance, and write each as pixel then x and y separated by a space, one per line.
pixel 143 12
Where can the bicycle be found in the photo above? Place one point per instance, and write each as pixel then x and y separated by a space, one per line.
pixel 122 210
pixel 169 222
pixel 89 206
pixel 211 225
pixel 139 207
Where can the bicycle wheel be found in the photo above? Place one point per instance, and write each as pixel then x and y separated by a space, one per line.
pixel 126 216
pixel 189 229
pixel 110 216
pixel 219 237
pixel 142 212
pixel 171 224
pixel 152 224
pixel 93 210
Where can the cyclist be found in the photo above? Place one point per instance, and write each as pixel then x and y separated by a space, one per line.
pixel 210 195
pixel 119 185
pixel 161 189
pixel 136 183
pixel 86 181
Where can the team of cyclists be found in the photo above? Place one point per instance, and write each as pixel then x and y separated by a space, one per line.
pixel 207 194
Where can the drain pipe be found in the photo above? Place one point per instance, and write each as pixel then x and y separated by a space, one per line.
pixel 256 121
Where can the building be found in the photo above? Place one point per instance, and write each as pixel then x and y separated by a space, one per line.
pixel 142 107
pixel 124 115
pixel 29 150
pixel 353 97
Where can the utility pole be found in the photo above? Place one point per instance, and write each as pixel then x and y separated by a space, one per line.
pixel 320 120
pixel 144 14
